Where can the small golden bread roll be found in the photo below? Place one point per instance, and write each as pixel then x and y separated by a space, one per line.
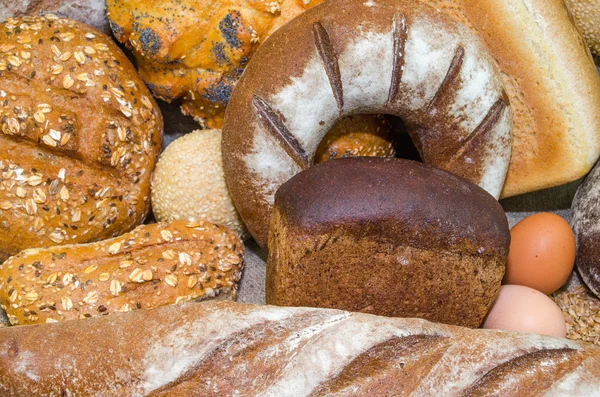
pixel 189 184
pixel 358 135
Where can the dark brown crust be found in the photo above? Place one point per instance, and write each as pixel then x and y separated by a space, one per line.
pixel 400 36
pixel 272 122
pixel 584 221
pixel 370 196
pixel 389 237
pixel 330 62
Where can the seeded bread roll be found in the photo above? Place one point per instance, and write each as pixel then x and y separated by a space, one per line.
pixel 189 184
pixel 79 136
pixel 387 236
pixel 229 349
pixel 154 265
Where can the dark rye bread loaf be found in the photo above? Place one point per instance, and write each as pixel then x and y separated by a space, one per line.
pixel 230 349
pixel 387 236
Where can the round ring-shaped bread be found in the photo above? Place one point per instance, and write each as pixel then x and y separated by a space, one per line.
pixel 398 57
pixel 585 216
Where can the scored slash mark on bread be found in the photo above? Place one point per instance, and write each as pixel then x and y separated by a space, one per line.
pixel 400 35
pixel 274 125
pixel 330 61
pixel 554 364
pixel 388 359
pixel 451 76
pixel 490 120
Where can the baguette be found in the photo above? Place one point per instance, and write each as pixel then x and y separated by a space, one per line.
pixel 154 265
pixel 230 349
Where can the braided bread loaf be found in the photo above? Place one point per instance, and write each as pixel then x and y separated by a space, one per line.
pixel 229 349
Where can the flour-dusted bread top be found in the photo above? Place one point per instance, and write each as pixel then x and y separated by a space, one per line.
pixel 344 57
pixel 395 201
pixel 551 82
pixel 79 136
pixel 231 349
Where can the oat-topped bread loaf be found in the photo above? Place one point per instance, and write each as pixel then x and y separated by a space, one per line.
pixel 154 265
pixel 387 236
pixel 230 349
pixel 79 136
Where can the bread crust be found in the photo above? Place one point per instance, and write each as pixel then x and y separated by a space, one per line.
pixel 450 94
pixel 552 84
pixel 79 136
pixel 229 349
pixel 584 221
pixel 389 237
pixel 154 265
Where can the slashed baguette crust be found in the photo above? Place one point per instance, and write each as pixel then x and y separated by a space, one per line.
pixel 230 349
pixel 153 265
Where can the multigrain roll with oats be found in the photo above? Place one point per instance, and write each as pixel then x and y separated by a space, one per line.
pixel 91 12
pixel 154 265
pixel 79 136
pixel 189 184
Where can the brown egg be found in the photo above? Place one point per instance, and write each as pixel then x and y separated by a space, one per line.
pixel 542 253
pixel 524 309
